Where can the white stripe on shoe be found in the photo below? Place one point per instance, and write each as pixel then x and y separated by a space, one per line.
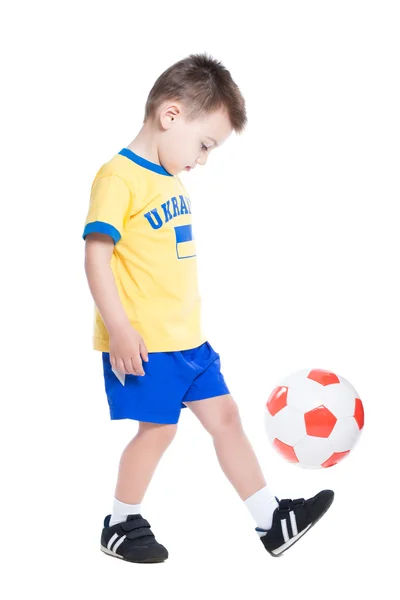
pixel 117 545
pixel 284 530
pixel 112 540
pixel 291 541
pixel 293 523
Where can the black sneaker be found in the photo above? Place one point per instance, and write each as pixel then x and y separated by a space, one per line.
pixel 292 519
pixel 132 540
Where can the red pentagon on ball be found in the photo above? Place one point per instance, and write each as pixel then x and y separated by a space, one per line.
pixel 323 377
pixel 334 459
pixel 277 400
pixel 286 450
pixel 359 413
pixel 319 422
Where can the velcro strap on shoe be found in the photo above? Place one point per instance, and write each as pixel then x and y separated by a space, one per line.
pixel 298 502
pixel 285 505
pixel 135 524
pixel 288 504
pixel 142 532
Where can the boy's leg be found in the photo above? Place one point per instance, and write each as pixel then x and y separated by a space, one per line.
pixel 220 417
pixel 279 525
pixel 126 534
pixel 140 459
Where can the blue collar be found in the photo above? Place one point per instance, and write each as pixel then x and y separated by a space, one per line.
pixel 143 162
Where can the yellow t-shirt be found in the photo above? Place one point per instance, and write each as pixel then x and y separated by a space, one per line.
pixel 147 212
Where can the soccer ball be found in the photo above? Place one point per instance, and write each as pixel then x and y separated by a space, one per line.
pixel 314 418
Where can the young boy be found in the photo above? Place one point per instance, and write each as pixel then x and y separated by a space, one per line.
pixel 140 262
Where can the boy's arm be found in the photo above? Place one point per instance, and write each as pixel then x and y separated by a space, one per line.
pixel 98 252
pixel 127 348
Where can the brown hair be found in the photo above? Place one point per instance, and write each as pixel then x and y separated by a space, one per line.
pixel 204 85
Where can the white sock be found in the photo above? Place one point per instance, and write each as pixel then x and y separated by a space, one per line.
pixel 261 506
pixel 121 511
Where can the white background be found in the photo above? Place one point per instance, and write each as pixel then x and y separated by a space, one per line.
pixel 298 251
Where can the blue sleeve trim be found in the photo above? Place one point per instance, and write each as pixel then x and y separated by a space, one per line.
pixel 101 227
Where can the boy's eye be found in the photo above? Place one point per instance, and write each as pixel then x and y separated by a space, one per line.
pixel 203 147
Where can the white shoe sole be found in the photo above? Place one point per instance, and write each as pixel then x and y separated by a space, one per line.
pixel 111 553
pixel 292 541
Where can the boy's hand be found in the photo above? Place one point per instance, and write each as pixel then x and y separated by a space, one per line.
pixel 127 349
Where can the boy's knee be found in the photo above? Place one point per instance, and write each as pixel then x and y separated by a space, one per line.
pixel 228 418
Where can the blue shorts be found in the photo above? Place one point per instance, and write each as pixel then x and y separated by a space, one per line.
pixel 171 379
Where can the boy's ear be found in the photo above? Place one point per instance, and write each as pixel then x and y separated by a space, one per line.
pixel 168 115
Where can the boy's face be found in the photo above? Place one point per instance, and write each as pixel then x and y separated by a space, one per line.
pixel 183 145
